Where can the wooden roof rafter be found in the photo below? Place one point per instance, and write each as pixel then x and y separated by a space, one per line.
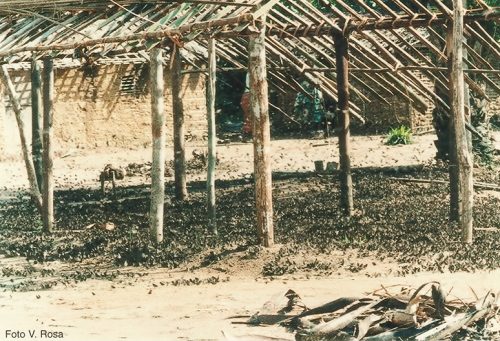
pixel 299 37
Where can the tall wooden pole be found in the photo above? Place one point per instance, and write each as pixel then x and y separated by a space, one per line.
pixel 212 138
pixel 48 113
pixel 342 58
pixel 467 98
pixel 452 155
pixel 36 196
pixel 159 140
pixel 261 135
pixel 36 121
pixel 179 143
pixel 463 155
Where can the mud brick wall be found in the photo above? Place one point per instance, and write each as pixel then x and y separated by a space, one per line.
pixel 422 121
pixel 108 106
pixel 494 105
pixel 381 116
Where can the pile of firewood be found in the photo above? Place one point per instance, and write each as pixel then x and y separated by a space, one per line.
pixel 427 313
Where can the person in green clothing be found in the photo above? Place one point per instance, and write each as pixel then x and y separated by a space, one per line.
pixel 309 107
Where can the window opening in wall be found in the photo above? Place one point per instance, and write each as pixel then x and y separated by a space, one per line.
pixel 135 82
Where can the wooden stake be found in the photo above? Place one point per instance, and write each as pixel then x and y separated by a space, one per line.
pixel 212 137
pixel 262 135
pixel 159 140
pixel 342 59
pixel 36 196
pixel 179 143
pixel 36 121
pixel 48 113
pixel 464 157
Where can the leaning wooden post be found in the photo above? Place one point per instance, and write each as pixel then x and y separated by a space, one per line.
pixel 261 135
pixel 48 113
pixel 212 155
pixel 342 59
pixel 158 130
pixel 179 143
pixel 464 157
pixel 30 169
pixel 36 121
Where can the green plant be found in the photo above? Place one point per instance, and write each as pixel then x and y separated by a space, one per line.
pixel 399 135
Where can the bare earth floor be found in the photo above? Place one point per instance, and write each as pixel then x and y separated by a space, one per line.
pixel 100 310
pixel 160 304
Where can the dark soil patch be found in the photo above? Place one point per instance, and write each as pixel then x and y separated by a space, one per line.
pixel 404 222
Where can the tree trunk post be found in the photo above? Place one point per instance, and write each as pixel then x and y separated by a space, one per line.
pixel 342 59
pixel 460 147
pixel 452 155
pixel 36 121
pixel 261 135
pixel 159 139
pixel 48 113
pixel 179 143
pixel 35 193
pixel 212 137
pixel 467 98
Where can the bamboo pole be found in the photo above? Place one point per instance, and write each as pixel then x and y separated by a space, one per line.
pixel 464 157
pixel 36 121
pixel 35 194
pixel 48 113
pixel 261 135
pixel 159 140
pixel 179 142
pixel 342 56
pixel 212 138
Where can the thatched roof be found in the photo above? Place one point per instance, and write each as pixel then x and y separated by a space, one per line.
pixel 395 46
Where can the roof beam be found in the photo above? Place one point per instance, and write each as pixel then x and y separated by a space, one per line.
pixel 168 33
pixel 386 22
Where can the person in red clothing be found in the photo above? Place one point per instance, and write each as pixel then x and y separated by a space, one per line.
pixel 247 115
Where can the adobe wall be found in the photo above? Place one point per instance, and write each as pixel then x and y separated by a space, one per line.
pixel 493 106
pixel 382 116
pixel 110 109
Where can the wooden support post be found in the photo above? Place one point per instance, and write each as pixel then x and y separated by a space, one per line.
pixel 159 140
pixel 463 155
pixel 342 59
pixel 36 196
pixel 48 113
pixel 452 156
pixel 261 135
pixel 179 143
pixel 36 121
pixel 212 137
pixel 467 97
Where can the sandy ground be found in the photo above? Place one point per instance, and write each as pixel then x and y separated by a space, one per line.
pixel 101 310
pixel 141 308
pixel 81 168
